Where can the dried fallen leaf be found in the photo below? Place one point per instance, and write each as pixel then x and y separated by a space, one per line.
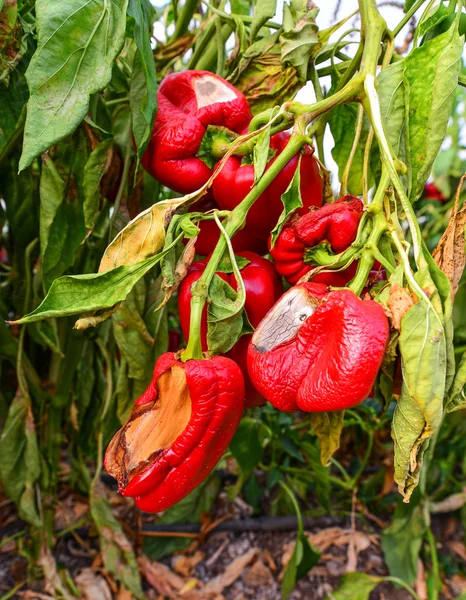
pixel 258 575
pixel 124 594
pixel 92 586
pixel 160 577
pixel 451 503
pixel 398 303
pixel 185 565
pixel 458 584
pixel 420 584
pixel 231 573
pixel 450 252
pixel 459 549
pixel 53 582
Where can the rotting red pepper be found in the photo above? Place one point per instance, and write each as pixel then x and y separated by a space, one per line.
pixel 335 225
pixel 245 239
pixel 187 103
pixel 318 350
pixel 236 180
pixel 263 288
pixel 177 431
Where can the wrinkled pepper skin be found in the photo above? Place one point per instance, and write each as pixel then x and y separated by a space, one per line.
pixel 318 350
pixel 235 181
pixel 187 103
pixel 335 223
pixel 263 288
pixel 216 392
pixel 209 234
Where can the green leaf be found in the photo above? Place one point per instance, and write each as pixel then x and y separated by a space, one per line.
pixel 19 467
pixel 434 19
pixel 74 294
pixel 457 398
pixel 419 410
pixel 355 586
pixel 327 427
pixel 224 316
pixel 261 152
pixel 52 192
pixel 342 123
pixel 143 89
pixel 402 541
pixel 117 552
pixel 12 100
pixel 188 510
pixel 246 446
pixel 431 76
pixel 78 41
pixel 225 265
pixel 299 41
pixel 94 170
pixel 291 200
pixel 263 11
pixel 392 99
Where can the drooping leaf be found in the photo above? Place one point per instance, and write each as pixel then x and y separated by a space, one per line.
pixel 299 41
pixel 355 586
pixel 263 11
pixel 261 153
pixel 74 294
pixel 19 467
pixel 291 200
pixel 419 410
pixel 94 170
pixel 78 41
pixel 246 445
pixel 143 90
pixel 431 76
pixel 327 426
pixel 402 540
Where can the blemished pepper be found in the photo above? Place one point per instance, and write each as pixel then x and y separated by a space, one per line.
pixel 236 180
pixel 177 431
pixel 334 225
pixel 263 288
pixel 318 350
pixel 187 103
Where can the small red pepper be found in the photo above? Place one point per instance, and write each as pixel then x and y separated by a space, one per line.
pixel 318 350
pixel 187 103
pixel 209 234
pixel 177 431
pixel 335 224
pixel 431 192
pixel 263 288
pixel 235 181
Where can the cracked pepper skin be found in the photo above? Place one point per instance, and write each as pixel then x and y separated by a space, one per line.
pixel 177 431
pixel 318 350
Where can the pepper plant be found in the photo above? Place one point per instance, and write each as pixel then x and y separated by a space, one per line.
pixel 123 157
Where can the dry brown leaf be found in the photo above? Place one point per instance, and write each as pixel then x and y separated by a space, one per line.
pixel 92 586
pixel 451 503
pixel 124 594
pixel 398 303
pixel 160 577
pixel 68 512
pixel 458 584
pixel 258 575
pixel 185 565
pixel 459 548
pixel 30 595
pixel 269 560
pixel 231 573
pixel 181 269
pixel 53 582
pixel 450 252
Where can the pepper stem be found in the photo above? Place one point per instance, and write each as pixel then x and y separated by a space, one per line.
pixel 233 223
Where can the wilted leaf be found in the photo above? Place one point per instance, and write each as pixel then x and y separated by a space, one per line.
pixel 143 237
pixel 12 47
pixel 291 200
pixel 300 40
pixel 420 407
pixel 264 10
pixel 327 426
pixel 96 166
pixel 450 253
pixel 431 76
pixel 179 273
pixel 399 302
pixel 143 90
pixel 78 42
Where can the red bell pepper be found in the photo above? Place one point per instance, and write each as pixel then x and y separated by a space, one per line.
pixel 333 224
pixel 177 431
pixel 318 350
pixel 187 103
pixel 235 181
pixel 263 288
pixel 209 234
pixel 431 192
